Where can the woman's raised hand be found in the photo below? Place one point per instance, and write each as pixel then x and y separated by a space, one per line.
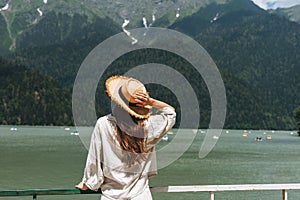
pixel 143 99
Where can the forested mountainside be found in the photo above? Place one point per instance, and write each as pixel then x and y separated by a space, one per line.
pixel 256 52
pixel 259 48
pixel 292 13
pixel 32 98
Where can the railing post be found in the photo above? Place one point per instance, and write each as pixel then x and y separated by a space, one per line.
pixel 284 195
pixel 212 195
pixel 34 197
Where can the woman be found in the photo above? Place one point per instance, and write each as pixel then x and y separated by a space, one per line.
pixel 122 150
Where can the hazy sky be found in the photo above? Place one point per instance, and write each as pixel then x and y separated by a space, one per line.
pixel 267 4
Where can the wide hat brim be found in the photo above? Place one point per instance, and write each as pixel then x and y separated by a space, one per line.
pixel 114 90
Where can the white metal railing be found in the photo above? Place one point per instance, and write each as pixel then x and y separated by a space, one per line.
pixel 211 189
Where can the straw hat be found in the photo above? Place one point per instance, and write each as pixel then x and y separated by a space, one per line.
pixel 121 89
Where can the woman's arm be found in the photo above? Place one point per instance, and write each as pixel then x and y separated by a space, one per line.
pixel 159 104
pixel 144 100
pixel 93 174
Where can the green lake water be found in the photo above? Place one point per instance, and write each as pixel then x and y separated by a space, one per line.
pixel 50 157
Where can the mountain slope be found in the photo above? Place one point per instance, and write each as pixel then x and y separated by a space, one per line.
pixel 30 98
pixel 257 54
pixel 5 41
pixel 292 13
pixel 202 19
pixel 260 49
pixel 256 51
pixel 58 43
pixel 22 15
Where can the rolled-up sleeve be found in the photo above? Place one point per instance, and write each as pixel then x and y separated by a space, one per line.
pixel 93 174
pixel 160 124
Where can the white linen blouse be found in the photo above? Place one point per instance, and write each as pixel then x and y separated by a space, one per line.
pixel 104 167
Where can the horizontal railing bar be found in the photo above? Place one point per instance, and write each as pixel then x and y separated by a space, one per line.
pixel 39 192
pixel 216 188
pixel 192 188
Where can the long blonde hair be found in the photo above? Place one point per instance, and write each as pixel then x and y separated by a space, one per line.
pixel 131 135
